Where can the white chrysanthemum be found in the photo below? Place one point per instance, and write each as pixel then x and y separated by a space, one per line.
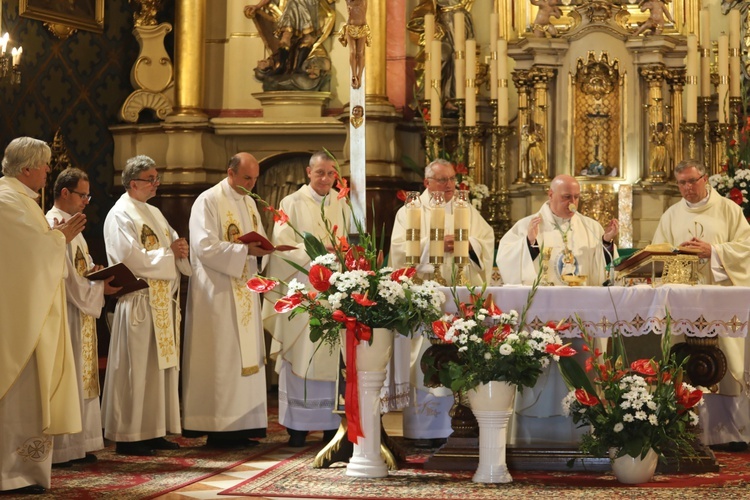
pixel 641 415
pixel 335 299
pixel 693 418
pixel 391 291
pixel 328 260
pixel 567 401
pixel 653 420
pixel 295 286
pixel 628 417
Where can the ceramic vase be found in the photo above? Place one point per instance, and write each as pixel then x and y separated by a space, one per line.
pixel 492 404
pixel 372 360
pixel 634 470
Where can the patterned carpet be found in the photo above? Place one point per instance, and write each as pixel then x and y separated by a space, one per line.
pixel 295 478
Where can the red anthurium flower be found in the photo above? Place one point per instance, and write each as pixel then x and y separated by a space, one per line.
pixel 319 276
pixel 355 259
pixel 461 169
pixel 440 328
pixel 560 326
pixel 404 271
pixel 286 304
pixel 489 334
pixel 644 367
pixel 564 351
pixel 260 284
pixel 401 195
pixel 362 300
pixel 735 194
pixel 686 398
pixel 490 305
pixel 342 187
pixel 585 398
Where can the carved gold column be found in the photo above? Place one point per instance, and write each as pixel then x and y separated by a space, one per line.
pixel 654 76
pixel 540 78
pixel 521 81
pixel 190 30
pixel 375 72
pixel 676 81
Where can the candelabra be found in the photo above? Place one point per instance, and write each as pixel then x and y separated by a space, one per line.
pixel 499 200
pixel 705 105
pixel 10 64
pixel 461 224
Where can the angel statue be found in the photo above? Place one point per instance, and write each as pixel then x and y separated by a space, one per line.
pixel 660 156
pixel 657 12
pixel 293 32
pixel 543 21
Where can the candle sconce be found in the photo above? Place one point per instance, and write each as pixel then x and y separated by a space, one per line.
pixel 10 64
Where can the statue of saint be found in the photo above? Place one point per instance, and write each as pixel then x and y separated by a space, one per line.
pixel 660 136
pixel 293 32
pixel 535 157
pixel 657 12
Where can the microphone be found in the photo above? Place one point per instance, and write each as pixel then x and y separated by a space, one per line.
pixel 572 207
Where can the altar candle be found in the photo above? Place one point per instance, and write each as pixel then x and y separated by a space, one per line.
pixel 413 225
pixel 493 56
pixel 471 78
pixel 692 79
pixel 502 75
pixel 429 36
pixel 734 56
pixel 459 46
pixel 723 87
pixel 16 55
pixel 4 42
pixel 437 222
pixel 435 104
pixel 705 39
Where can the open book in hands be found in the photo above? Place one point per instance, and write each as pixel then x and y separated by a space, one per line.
pixel 123 277
pixel 265 244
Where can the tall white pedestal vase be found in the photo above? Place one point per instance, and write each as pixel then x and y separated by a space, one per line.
pixel 372 360
pixel 492 404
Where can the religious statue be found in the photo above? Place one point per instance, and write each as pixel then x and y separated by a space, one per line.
pixel 543 23
pixel 293 32
pixel 657 12
pixel 356 34
pixel 659 159
pixel 535 157
pixel 358 116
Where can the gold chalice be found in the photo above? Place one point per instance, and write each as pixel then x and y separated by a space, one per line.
pixel 574 280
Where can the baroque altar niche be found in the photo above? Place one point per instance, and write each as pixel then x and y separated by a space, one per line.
pixel 597 90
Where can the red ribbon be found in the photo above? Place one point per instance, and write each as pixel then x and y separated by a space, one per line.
pixel 355 332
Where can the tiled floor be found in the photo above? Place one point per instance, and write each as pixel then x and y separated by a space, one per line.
pixel 211 487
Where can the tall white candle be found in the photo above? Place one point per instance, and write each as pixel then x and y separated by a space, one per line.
pixel 16 54
pixel 471 78
pixel 692 79
pixel 429 35
pixel 413 223
pixel 705 39
pixel 734 56
pixel 437 221
pixel 493 56
pixel 435 104
pixel 4 42
pixel 723 70
pixel 502 75
pixel 459 46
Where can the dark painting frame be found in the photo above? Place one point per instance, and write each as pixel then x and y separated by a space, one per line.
pixel 79 14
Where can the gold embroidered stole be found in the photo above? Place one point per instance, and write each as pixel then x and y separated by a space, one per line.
pixel 166 324
pixel 89 350
pixel 231 227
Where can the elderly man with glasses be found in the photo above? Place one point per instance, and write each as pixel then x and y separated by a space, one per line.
pixel 140 403
pixel 426 419
pixel 715 227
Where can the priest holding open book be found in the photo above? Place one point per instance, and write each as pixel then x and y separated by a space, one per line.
pixel 223 374
pixel 716 229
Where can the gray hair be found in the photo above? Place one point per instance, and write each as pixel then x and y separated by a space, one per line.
pixel 439 161
pixel 133 168
pixel 68 178
pixel 690 163
pixel 25 152
pixel 234 163
pixel 320 156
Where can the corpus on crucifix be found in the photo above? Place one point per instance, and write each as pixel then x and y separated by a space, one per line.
pixel 356 34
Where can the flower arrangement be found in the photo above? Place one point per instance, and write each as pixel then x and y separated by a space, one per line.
pixel 631 407
pixel 493 346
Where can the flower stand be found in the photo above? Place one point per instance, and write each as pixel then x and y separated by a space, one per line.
pixel 492 404
pixel 372 360
pixel 634 470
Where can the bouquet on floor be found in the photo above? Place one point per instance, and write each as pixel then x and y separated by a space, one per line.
pixel 631 407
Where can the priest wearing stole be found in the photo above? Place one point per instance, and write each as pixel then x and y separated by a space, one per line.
pixel 577 245
pixel 715 227
pixel 140 403
pixel 38 389
pixel 85 300
pixel 427 417
pixel 307 374
pixel 223 374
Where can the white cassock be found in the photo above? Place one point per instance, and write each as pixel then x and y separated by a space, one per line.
pixel 725 417
pixel 223 375
pixel 140 398
pixel 427 417
pixel 85 300
pixel 38 389
pixel 538 417
pixel 307 374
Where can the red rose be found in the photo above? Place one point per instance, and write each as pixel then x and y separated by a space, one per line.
pixel 260 284
pixel 735 195
pixel 585 398
pixel 319 276
pixel 286 304
pixel 645 367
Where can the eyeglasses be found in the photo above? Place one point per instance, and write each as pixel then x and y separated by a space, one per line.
pixel 689 182
pixel 151 180
pixel 83 196
pixel 443 180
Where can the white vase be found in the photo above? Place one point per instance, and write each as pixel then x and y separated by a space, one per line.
pixel 492 404
pixel 372 360
pixel 634 470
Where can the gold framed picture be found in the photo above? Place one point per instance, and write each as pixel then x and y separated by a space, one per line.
pixel 80 14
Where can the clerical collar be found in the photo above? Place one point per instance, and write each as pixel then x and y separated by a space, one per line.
pixel 559 220
pixel 29 192
pixel 317 197
pixel 234 195
pixel 701 203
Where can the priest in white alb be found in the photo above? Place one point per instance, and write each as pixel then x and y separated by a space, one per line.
pixel 223 373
